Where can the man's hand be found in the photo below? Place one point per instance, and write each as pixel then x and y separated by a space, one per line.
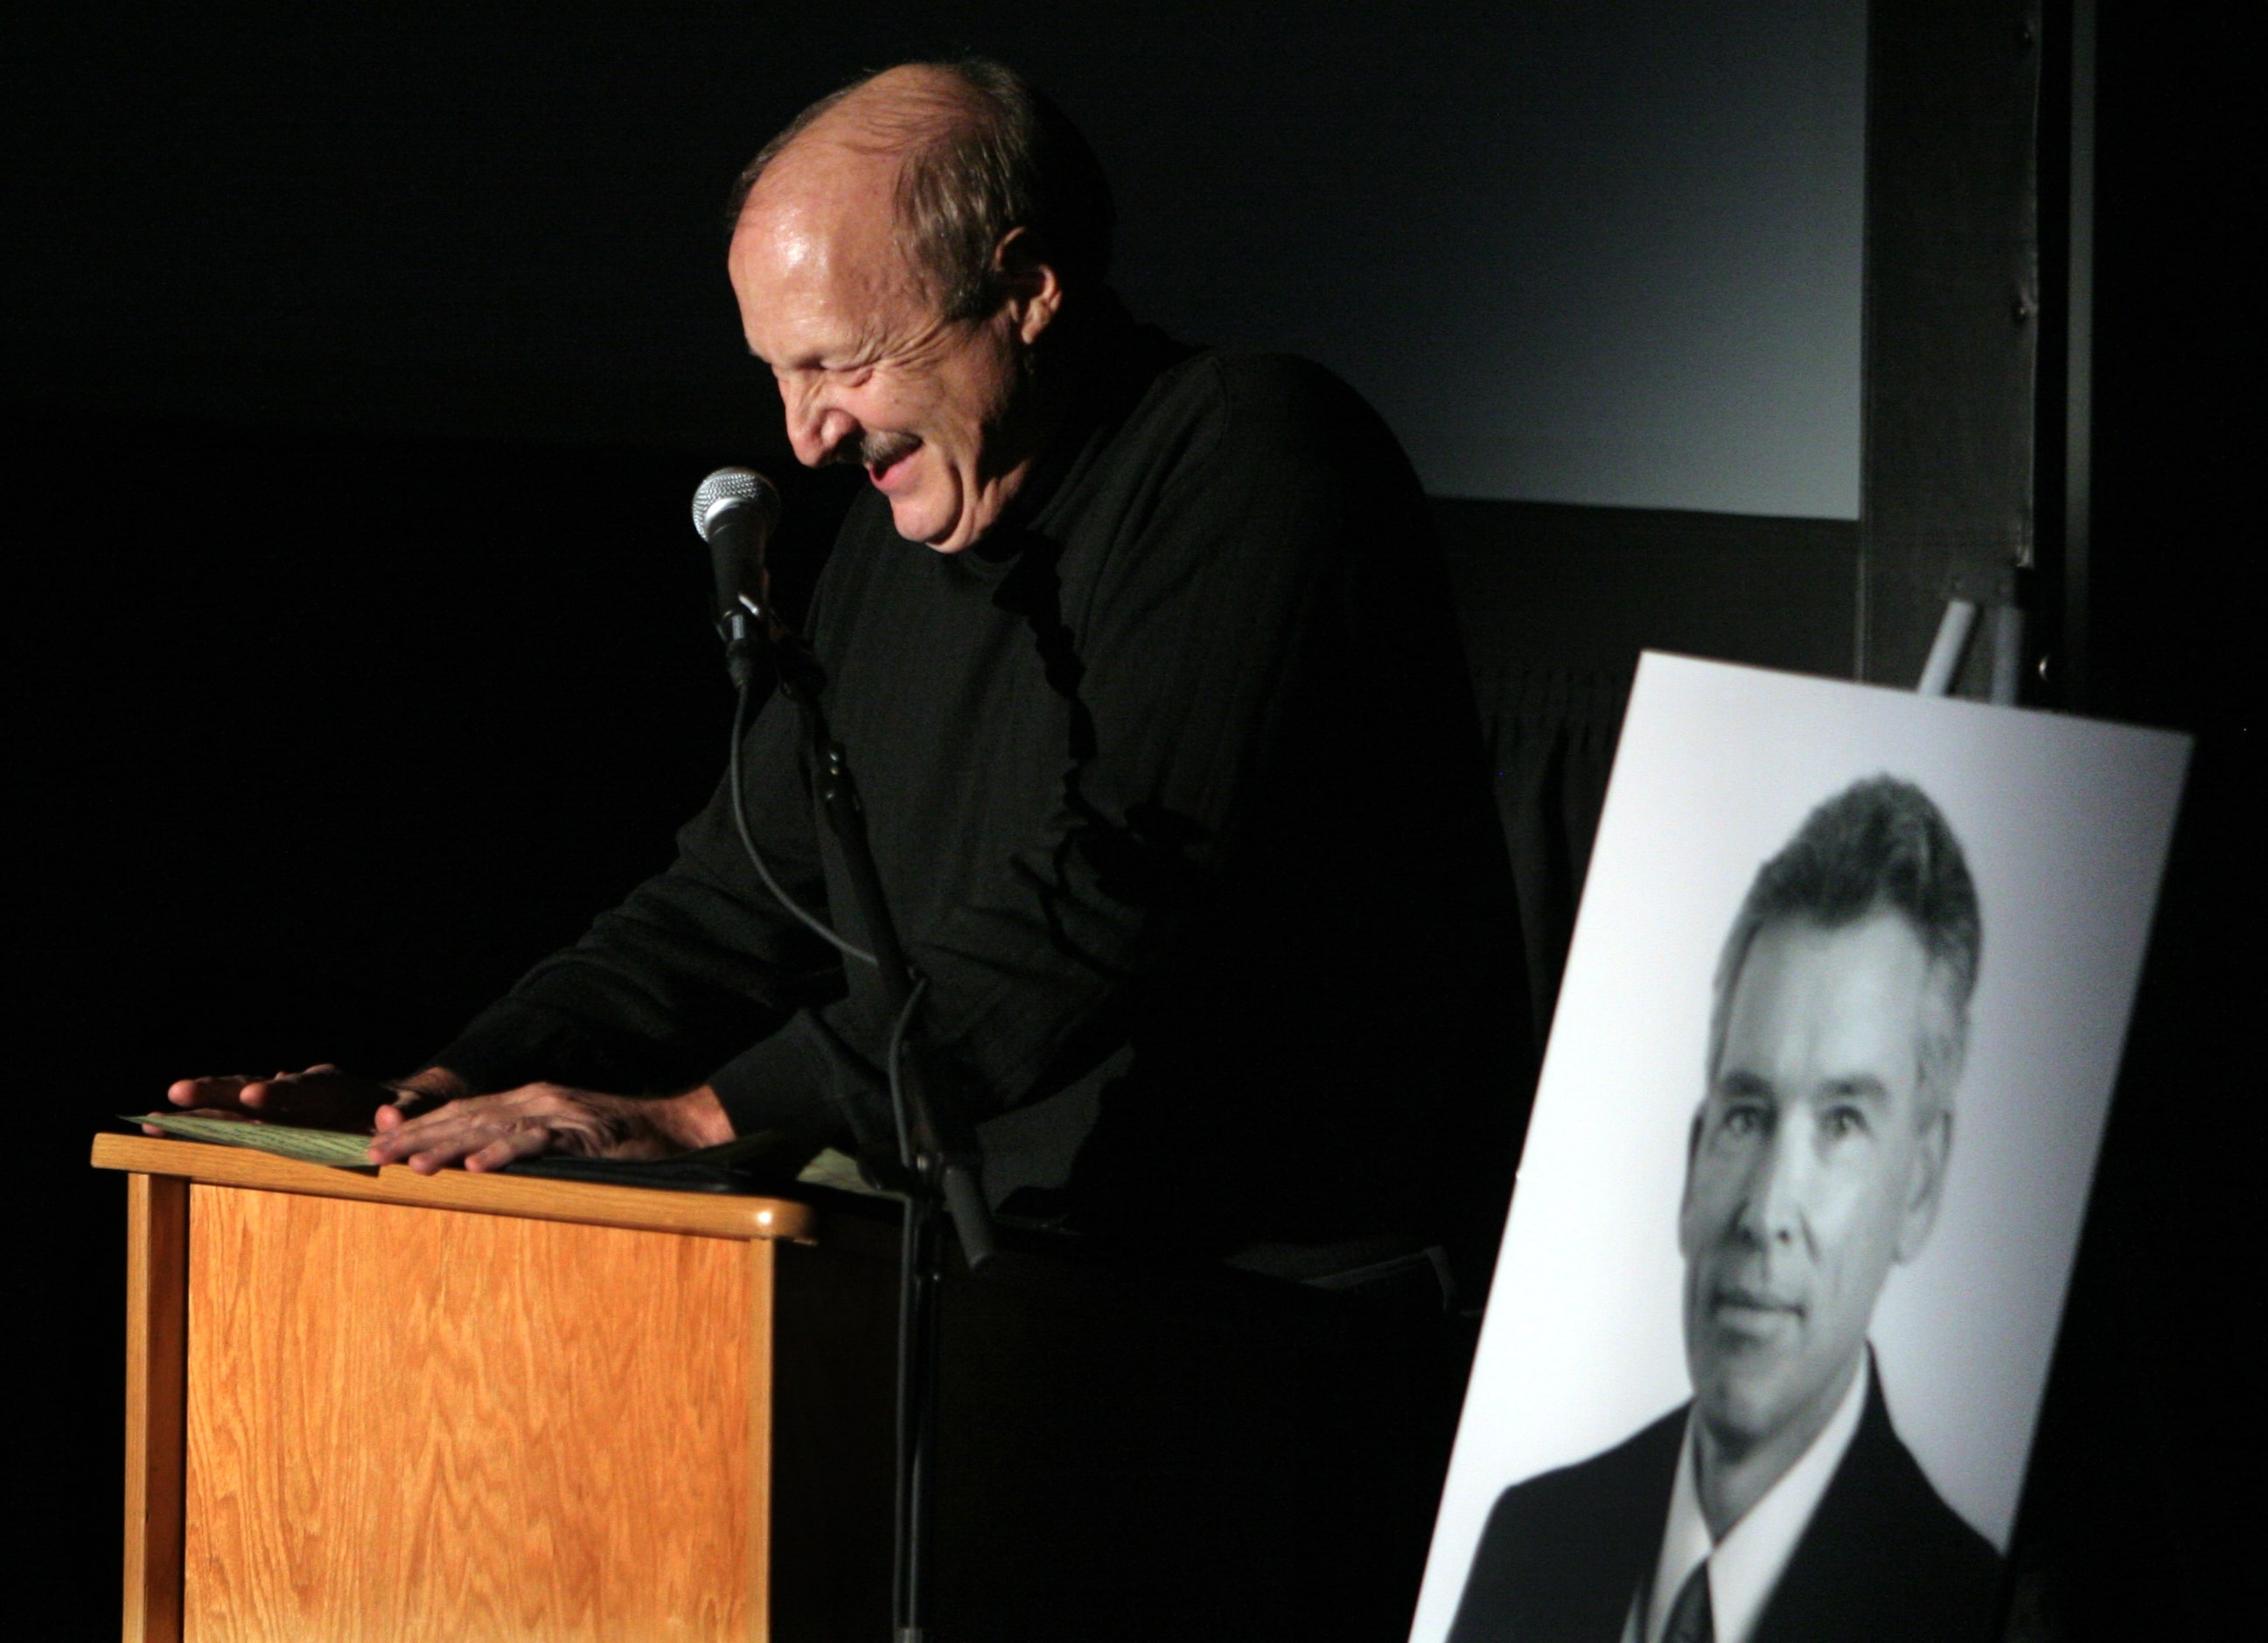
pixel 489 1131
pixel 321 1098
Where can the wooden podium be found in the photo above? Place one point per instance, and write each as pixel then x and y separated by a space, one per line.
pixel 369 1404
pixel 373 1404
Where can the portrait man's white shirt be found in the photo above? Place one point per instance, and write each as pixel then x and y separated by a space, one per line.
pixel 1746 1565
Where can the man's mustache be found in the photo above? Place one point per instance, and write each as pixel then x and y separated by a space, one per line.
pixel 874 451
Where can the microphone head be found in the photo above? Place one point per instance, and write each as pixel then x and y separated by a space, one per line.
pixel 731 487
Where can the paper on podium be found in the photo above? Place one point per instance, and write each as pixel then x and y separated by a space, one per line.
pixel 336 1147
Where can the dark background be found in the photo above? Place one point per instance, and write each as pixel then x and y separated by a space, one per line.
pixel 1578 251
pixel 360 366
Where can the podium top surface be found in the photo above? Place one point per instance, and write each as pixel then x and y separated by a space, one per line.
pixel 706 1214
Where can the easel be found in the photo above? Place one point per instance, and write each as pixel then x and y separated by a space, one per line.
pixel 1953 631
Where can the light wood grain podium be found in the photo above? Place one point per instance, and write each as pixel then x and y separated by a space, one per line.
pixel 373 1404
pixel 370 1405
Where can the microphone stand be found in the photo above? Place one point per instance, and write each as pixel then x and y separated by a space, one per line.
pixel 938 1160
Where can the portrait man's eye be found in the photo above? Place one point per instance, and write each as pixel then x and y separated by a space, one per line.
pixel 1745 1119
pixel 1843 1123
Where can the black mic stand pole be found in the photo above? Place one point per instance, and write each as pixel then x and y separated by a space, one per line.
pixel 938 1160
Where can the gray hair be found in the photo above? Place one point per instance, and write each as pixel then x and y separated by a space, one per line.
pixel 1881 844
pixel 988 154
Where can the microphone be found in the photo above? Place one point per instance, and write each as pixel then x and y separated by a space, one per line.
pixel 734 509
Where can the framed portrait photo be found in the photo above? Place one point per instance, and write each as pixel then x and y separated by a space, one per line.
pixel 1769 1327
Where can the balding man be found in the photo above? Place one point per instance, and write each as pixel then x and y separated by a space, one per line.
pixel 1780 1505
pixel 1144 659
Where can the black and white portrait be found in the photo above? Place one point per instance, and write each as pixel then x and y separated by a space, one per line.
pixel 1764 1349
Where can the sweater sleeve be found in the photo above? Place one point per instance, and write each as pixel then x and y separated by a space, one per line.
pixel 695 963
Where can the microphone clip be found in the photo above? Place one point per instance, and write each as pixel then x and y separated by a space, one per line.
pixel 742 628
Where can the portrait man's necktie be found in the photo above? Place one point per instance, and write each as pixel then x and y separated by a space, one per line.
pixel 1690 1620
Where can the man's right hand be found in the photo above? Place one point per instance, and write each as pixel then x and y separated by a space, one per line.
pixel 321 1098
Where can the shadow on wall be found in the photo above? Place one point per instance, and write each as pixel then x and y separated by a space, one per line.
pixel 1555 602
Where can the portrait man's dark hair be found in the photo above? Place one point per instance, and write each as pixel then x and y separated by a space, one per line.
pixel 1881 844
pixel 1004 157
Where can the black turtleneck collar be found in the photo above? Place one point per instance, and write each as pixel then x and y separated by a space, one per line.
pixel 1120 360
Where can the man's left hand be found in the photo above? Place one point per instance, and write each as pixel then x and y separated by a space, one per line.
pixel 489 1131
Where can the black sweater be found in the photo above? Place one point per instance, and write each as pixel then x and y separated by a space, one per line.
pixel 1181 757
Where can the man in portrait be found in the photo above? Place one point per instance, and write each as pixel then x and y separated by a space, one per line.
pixel 1780 1504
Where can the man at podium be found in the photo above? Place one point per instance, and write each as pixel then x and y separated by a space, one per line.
pixel 1144 658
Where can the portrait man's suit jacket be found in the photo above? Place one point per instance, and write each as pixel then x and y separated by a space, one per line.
pixel 1883 1558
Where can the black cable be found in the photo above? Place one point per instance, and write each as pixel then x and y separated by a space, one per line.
pixel 748 844
pixel 897 1085
pixel 891 1065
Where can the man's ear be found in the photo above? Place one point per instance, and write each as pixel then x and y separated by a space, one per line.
pixel 1927 1190
pixel 1031 292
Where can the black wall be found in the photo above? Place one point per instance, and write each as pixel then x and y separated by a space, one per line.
pixel 2140 1511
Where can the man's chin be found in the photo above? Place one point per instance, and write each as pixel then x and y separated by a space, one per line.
pixel 1732 1435
pixel 919 520
pixel 1752 1399
pixel 1748 1404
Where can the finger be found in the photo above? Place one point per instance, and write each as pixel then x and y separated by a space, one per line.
pixel 447 1135
pixel 409 1104
pixel 214 1095
pixel 494 1135
pixel 429 1152
pixel 507 1109
pixel 391 1146
pixel 221 1092
pixel 282 1093
pixel 400 1136
pixel 510 1149
pixel 455 1150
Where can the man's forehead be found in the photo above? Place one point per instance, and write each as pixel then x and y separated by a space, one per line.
pixel 817 240
pixel 818 197
pixel 1880 939
pixel 1811 992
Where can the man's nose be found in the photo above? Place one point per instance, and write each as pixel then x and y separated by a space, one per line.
pixel 1773 1211
pixel 815 428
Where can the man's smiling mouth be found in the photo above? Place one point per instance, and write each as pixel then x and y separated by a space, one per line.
pixel 883 453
